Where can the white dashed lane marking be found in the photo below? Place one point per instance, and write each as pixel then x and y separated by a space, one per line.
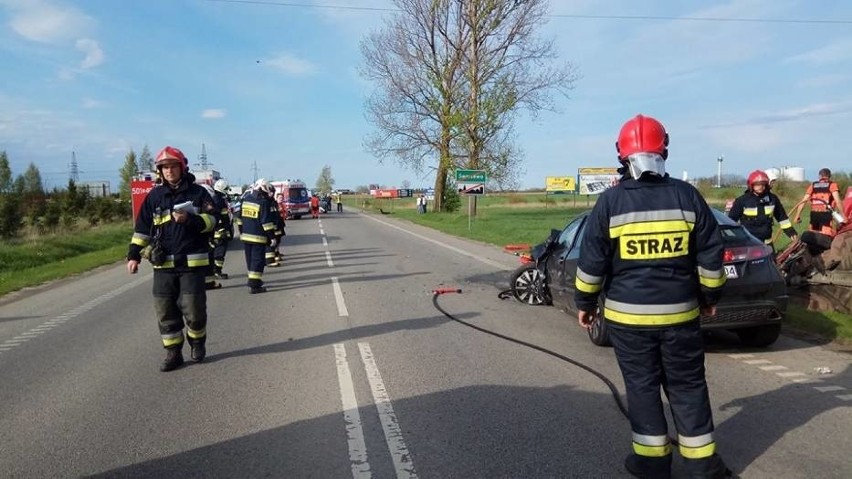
pixel 37 331
pixel 793 376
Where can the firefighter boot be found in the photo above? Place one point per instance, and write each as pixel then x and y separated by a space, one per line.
pixel 646 467
pixel 174 359
pixel 707 468
pixel 199 351
pixel 257 289
pixel 220 274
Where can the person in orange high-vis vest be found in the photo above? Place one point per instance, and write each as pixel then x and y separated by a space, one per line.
pixel 823 197
pixel 315 206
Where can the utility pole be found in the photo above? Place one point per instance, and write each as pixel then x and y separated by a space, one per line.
pixel 74 171
pixel 254 171
pixel 719 172
pixel 202 158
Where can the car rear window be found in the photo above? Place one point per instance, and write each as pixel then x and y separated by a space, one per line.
pixel 732 233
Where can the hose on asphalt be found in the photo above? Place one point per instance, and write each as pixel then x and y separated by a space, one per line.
pixel 615 395
pixel 508 293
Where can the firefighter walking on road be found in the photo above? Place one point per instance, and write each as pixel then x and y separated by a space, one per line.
pixel 272 253
pixel 173 227
pixel 653 249
pixel 758 207
pixel 257 233
pixel 224 229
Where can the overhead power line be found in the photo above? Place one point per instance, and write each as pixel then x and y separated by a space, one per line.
pixel 801 21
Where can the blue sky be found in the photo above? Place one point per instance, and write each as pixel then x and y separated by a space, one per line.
pixel 98 77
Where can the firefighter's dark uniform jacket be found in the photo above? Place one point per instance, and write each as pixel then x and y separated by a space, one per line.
pixel 654 248
pixel 186 245
pixel 223 213
pixel 257 218
pixel 756 214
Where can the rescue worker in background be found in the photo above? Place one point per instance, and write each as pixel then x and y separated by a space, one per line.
pixel 823 197
pixel 236 212
pixel 339 202
pixel 257 233
pixel 210 278
pixel 314 206
pixel 653 248
pixel 773 178
pixel 757 207
pixel 178 253
pixel 272 255
pixel 224 228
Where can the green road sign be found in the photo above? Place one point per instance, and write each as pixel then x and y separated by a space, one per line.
pixel 471 176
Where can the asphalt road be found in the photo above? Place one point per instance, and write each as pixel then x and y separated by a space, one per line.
pixel 345 368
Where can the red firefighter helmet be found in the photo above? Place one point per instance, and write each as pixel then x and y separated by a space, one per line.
pixel 171 154
pixel 642 134
pixel 757 176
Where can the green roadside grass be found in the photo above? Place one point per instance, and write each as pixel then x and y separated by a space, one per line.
pixel 33 261
pixel 528 221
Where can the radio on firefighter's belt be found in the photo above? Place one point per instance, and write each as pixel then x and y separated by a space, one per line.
pixel 186 207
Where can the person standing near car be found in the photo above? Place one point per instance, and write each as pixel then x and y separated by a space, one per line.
pixel 758 206
pixel 315 203
pixel 823 196
pixel 339 202
pixel 653 249
pixel 176 220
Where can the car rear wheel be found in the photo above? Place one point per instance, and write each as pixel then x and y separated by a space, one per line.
pixel 759 336
pixel 599 332
pixel 528 286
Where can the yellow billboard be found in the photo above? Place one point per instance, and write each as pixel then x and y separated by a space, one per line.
pixel 559 183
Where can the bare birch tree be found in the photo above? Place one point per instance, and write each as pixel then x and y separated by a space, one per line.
pixel 416 65
pixel 450 76
pixel 507 68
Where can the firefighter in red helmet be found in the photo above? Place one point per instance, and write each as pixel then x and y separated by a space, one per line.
pixel 651 265
pixel 172 229
pixel 758 207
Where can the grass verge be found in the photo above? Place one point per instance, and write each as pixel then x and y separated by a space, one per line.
pixel 33 261
pixel 830 325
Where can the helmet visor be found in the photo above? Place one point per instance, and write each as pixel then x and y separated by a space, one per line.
pixel 641 163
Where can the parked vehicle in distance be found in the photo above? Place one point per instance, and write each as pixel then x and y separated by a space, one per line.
pixel 296 198
pixel 754 298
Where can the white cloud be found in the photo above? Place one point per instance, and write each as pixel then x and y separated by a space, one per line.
pixel 753 138
pixel 823 81
pixel 838 51
pixel 355 16
pixel 94 54
pixel 66 74
pixel 765 131
pixel 290 65
pixel 45 22
pixel 213 113
pixel 90 103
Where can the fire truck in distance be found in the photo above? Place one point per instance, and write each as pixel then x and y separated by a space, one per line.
pixel 296 198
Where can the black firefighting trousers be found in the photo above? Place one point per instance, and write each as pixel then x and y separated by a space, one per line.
pixel 255 262
pixel 219 249
pixel 180 297
pixel 672 358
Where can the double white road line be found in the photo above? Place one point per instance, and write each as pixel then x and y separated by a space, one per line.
pixel 358 457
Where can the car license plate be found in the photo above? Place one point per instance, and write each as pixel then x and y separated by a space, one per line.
pixel 731 271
